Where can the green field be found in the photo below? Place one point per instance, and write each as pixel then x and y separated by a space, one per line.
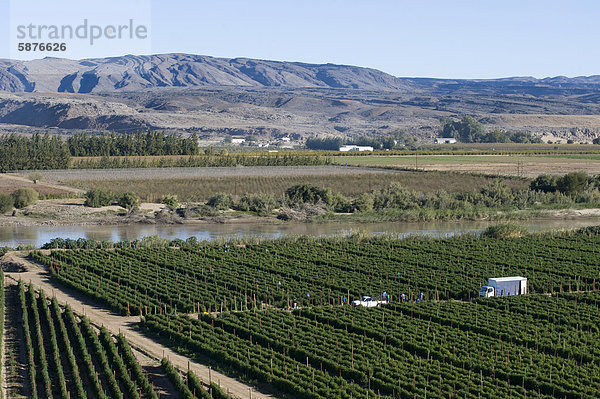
pixel 240 297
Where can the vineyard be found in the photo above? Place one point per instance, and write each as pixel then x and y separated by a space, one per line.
pixel 2 315
pixel 273 312
pixel 209 277
pixel 67 357
pixel 543 347
pixel 204 161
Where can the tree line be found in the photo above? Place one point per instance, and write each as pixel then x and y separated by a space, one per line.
pixel 51 152
pixel 132 144
pixel 396 139
pixel 202 161
pixel 469 130
pixel 35 152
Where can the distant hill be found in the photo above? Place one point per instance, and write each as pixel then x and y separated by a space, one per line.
pixel 219 96
pixel 132 72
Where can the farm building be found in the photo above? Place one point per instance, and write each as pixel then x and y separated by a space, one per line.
pixel 444 140
pixel 356 148
pixel 237 140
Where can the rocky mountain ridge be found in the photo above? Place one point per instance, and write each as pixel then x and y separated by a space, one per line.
pixel 218 96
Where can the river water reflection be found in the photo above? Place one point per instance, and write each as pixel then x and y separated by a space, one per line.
pixel 13 236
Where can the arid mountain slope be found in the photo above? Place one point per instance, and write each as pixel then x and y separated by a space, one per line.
pixel 218 96
pixel 182 70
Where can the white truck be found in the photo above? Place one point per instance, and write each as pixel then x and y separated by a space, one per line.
pixel 368 302
pixel 504 286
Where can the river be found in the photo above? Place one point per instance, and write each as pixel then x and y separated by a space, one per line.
pixel 14 236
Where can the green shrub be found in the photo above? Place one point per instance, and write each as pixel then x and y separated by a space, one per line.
pixel 97 197
pixel 504 231
pixel 395 196
pixel 572 183
pixel 339 203
pixel 221 201
pixel 7 203
pixel 170 201
pixel 545 183
pixel 308 193
pixel 195 385
pixel 129 201
pixel 364 203
pixel 261 204
pixel 497 193
pixel 175 379
pixel 589 196
pixel 217 392
pixel 23 197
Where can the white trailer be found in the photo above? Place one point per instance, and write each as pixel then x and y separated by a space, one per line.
pixel 504 286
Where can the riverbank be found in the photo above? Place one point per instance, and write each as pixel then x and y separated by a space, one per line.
pixel 72 212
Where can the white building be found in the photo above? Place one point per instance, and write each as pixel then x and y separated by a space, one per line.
pixel 352 147
pixel 444 140
pixel 238 140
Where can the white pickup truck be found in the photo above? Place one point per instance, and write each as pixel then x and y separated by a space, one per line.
pixel 368 302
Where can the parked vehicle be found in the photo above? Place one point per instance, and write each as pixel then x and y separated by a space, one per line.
pixel 504 286
pixel 368 302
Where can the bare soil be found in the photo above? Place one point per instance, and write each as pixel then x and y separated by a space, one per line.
pixel 506 165
pixel 155 374
pixel 513 169
pixel 11 182
pixel 71 211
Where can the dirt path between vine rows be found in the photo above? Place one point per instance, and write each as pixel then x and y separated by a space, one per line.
pixel 100 316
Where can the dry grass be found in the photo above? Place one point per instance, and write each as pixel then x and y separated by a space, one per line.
pixel 510 165
pixel 349 184
pixel 8 184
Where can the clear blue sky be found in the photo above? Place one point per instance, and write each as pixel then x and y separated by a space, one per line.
pixel 428 38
